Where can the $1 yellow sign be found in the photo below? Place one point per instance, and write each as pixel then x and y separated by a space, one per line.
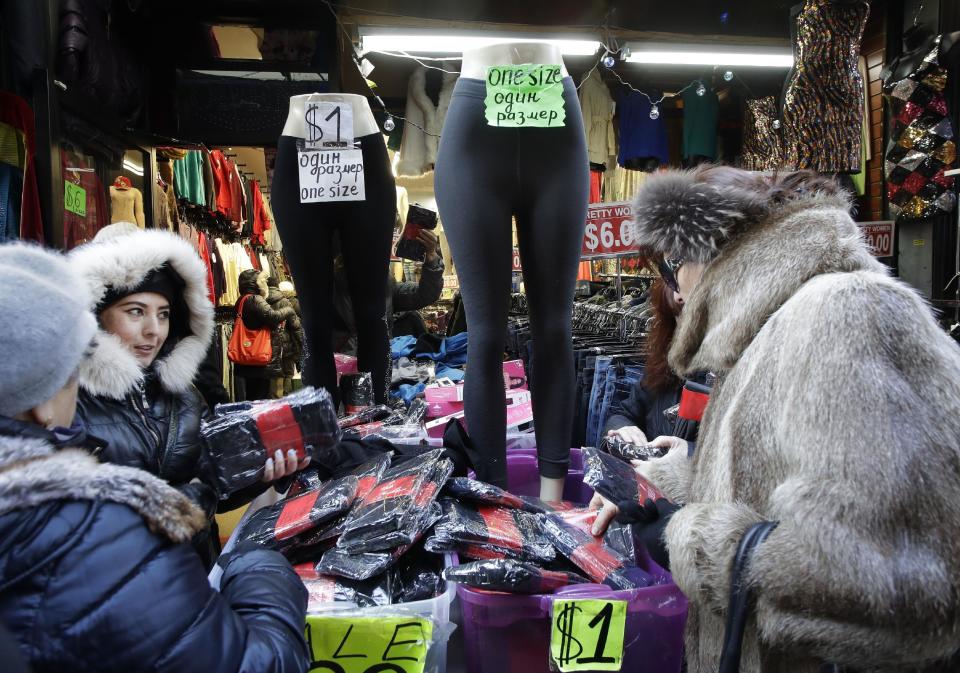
pixel 587 635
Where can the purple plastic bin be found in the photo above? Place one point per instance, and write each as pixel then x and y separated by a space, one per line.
pixel 508 633
pixel 523 477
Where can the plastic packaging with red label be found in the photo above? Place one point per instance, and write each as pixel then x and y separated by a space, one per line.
pixel 515 533
pixel 356 391
pixel 599 562
pixel 365 416
pixel 363 566
pixel 391 514
pixel 324 590
pixel 471 490
pixel 285 525
pixel 616 480
pixel 511 576
pixel 238 443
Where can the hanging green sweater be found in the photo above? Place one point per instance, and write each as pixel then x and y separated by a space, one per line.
pixel 188 178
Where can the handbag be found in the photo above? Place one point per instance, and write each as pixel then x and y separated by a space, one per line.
pixel 741 597
pixel 251 347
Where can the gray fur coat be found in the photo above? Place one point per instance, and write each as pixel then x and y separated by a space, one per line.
pixel 836 414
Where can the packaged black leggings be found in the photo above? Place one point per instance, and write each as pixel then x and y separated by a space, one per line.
pixel 486 175
pixel 366 231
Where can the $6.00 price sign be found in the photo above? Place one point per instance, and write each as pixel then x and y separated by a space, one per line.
pixel 587 635
pixel 609 230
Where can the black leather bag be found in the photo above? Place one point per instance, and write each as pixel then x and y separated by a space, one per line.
pixel 741 597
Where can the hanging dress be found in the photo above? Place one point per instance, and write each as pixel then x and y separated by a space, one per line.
pixel 922 143
pixel 762 142
pixel 823 101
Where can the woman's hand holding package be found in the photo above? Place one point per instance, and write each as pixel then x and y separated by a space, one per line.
pixel 629 433
pixel 277 467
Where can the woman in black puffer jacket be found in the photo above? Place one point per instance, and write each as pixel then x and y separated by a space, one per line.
pixel 258 314
pixel 94 575
pixel 137 394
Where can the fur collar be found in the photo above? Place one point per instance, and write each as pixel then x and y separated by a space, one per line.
pixel 33 473
pixel 757 257
pixel 123 262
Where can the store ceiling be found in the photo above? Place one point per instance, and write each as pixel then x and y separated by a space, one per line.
pixel 734 18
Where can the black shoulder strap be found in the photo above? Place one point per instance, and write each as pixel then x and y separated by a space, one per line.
pixel 741 598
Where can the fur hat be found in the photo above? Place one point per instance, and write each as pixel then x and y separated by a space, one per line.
pixel 680 216
pixel 46 326
pixel 121 263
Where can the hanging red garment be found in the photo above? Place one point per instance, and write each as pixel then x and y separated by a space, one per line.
pixel 261 221
pixel 15 112
pixel 204 251
pixel 78 229
pixel 238 197
pixel 254 258
pixel 223 172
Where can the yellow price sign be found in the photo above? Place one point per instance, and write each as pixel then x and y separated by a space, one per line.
pixel 587 635
pixel 345 644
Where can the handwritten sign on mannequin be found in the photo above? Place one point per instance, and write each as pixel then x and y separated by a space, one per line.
pixel 522 96
pixel 328 126
pixel 331 176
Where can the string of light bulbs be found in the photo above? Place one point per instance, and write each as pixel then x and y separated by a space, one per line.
pixel 608 59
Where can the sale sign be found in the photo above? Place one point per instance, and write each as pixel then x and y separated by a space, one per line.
pixel 609 230
pixel 879 237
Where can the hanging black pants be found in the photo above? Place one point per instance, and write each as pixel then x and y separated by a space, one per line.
pixel 485 176
pixel 365 230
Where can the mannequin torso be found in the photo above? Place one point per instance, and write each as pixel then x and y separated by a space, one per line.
pixel 476 61
pixel 363 122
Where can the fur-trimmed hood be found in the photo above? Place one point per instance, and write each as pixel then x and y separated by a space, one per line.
pixel 122 262
pixel 33 472
pixel 758 255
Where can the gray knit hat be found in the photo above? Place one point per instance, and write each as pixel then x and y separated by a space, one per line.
pixel 46 326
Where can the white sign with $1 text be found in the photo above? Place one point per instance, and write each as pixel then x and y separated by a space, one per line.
pixel 330 169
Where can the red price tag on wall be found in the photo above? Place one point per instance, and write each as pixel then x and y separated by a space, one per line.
pixel 879 237
pixel 609 230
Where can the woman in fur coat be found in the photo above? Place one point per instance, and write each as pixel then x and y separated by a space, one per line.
pixel 835 414
pixel 95 574
pixel 149 294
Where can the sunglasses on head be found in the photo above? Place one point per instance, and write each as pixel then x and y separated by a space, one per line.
pixel 668 271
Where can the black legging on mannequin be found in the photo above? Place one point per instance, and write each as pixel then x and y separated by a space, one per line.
pixel 485 176
pixel 366 232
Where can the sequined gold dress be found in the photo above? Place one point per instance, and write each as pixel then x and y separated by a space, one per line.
pixel 823 100
pixel 922 143
pixel 762 142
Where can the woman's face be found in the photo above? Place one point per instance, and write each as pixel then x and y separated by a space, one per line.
pixel 688 277
pixel 142 322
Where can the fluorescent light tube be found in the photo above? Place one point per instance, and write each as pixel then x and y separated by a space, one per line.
pixel 452 43
pixel 136 169
pixel 708 55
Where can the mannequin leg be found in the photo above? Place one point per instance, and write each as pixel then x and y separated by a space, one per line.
pixel 481 242
pixel 550 234
pixel 476 186
pixel 307 237
pixel 366 233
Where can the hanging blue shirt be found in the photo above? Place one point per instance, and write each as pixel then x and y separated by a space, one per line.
pixel 640 136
